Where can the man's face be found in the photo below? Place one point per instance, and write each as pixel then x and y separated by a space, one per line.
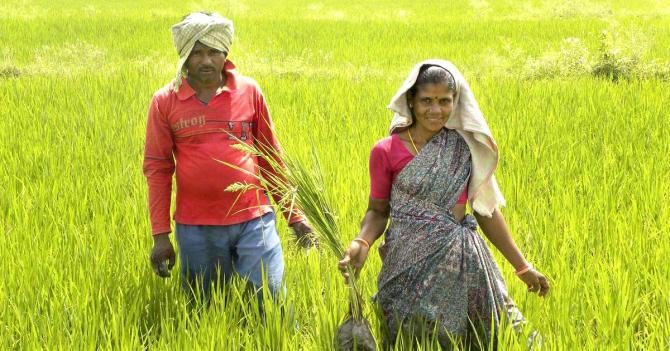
pixel 205 63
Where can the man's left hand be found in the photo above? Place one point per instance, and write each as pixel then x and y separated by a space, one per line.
pixel 304 234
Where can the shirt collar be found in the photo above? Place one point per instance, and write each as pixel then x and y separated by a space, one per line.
pixel 186 91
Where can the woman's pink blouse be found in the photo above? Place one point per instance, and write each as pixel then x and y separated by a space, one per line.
pixel 388 157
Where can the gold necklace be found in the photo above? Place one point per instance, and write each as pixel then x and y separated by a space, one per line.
pixel 412 140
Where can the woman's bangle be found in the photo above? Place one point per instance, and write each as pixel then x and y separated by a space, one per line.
pixel 364 242
pixel 524 269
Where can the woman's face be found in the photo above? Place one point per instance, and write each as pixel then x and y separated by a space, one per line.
pixel 432 105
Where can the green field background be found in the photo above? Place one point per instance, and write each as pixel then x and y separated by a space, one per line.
pixel 584 160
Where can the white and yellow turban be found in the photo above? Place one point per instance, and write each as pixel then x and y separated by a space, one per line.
pixel 210 29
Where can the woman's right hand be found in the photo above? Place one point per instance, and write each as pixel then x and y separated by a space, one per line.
pixel 355 255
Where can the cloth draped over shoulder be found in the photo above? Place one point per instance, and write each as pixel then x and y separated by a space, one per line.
pixel 209 29
pixel 467 119
pixel 436 270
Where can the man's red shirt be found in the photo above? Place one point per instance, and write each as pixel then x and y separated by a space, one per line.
pixel 184 132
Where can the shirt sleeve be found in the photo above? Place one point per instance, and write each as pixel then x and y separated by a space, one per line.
pixel 158 168
pixel 380 173
pixel 266 140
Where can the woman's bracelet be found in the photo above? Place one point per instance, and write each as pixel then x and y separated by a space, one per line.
pixel 364 242
pixel 524 269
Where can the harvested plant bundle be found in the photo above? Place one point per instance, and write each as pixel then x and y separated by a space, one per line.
pixel 302 187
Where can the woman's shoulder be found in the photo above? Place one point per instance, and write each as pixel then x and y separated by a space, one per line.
pixel 384 144
pixel 453 133
pixel 455 137
pixel 383 149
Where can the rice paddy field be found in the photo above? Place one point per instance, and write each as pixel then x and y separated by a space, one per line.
pixel 576 93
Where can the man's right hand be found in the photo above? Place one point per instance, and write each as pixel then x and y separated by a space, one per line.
pixel 162 252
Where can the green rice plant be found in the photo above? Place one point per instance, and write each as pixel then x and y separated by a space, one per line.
pixel 624 58
pixel 300 187
pixel 583 162
pixel 571 60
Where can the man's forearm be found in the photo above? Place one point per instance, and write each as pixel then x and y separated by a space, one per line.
pixel 160 237
pixel 159 196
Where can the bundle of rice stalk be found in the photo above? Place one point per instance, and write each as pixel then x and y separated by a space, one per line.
pixel 299 186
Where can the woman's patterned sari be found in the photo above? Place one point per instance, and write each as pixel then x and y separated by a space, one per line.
pixel 435 269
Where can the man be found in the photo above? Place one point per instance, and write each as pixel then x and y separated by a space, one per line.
pixel 194 121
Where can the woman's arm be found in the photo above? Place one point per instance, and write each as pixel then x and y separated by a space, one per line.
pixel 495 229
pixel 372 227
pixel 375 220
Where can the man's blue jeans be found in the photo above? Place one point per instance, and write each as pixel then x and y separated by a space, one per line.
pixel 211 253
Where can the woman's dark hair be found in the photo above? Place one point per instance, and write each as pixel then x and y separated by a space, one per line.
pixel 432 74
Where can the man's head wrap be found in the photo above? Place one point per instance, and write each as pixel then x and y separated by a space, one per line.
pixel 209 29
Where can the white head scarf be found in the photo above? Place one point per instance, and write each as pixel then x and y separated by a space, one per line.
pixel 467 119
pixel 211 30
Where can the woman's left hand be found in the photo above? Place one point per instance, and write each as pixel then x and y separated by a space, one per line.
pixel 536 282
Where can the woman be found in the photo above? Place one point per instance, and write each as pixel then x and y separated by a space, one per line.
pixel 436 269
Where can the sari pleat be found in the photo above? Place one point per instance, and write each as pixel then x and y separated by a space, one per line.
pixel 434 269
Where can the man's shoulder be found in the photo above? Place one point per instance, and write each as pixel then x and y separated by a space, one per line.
pixel 165 98
pixel 165 92
pixel 246 83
